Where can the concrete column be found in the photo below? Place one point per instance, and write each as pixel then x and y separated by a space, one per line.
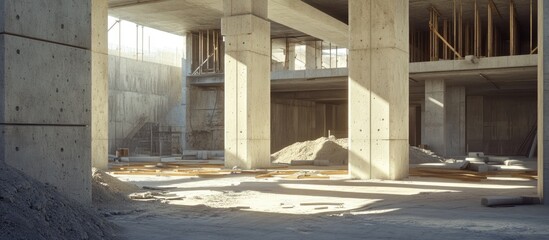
pixel 455 121
pixel 543 101
pixel 292 57
pixel 100 84
pixel 378 89
pixel 247 83
pixel 422 122
pixel 313 58
pixel 186 68
pixel 50 71
pixel 435 115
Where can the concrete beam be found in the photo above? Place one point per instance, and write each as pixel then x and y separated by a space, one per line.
pixel 322 95
pixel 309 20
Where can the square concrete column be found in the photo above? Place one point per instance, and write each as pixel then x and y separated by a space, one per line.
pixel 378 89
pixel 100 84
pixel 49 75
pixel 313 58
pixel 435 115
pixel 292 56
pixel 455 121
pixel 247 84
pixel 543 101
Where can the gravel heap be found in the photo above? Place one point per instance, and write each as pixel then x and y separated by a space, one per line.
pixel 32 210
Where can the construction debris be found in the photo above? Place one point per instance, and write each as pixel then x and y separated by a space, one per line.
pixel 508 201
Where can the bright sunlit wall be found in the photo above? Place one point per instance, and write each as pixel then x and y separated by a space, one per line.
pixel 131 40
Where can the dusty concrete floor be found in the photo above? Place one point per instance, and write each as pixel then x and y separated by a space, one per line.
pixel 242 207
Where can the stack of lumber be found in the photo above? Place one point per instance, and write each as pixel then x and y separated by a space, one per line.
pixel 469 176
pixel 216 170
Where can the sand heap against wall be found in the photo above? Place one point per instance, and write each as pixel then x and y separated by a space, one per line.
pixel 109 191
pixel 420 155
pixel 335 150
pixel 32 210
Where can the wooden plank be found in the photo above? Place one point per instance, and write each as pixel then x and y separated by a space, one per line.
pixel 445 42
pixel 512 42
pixel 490 34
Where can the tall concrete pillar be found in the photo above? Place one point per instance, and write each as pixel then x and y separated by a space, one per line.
pixel 99 84
pixel 313 58
pixel 435 115
pixel 543 101
pixel 247 83
pixel 186 68
pixel 292 57
pixel 52 66
pixel 378 89
pixel 455 121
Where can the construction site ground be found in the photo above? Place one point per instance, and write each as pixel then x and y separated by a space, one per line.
pixel 204 201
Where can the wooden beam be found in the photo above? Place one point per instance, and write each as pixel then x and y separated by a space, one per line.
pixel 445 42
pixel 455 23
pixel 445 35
pixel 460 26
pixel 531 32
pixel 490 34
pixel 491 2
pixel 512 40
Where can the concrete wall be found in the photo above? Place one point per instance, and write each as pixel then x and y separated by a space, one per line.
pixel 291 120
pixel 295 121
pixel 46 49
pixel 498 125
pixel 141 92
pixel 205 118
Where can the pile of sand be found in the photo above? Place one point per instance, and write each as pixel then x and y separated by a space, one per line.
pixel 109 191
pixel 332 149
pixel 335 150
pixel 420 155
pixel 32 210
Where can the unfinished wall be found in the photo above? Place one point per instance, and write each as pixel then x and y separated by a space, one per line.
pixel 498 125
pixel 297 120
pixel 140 93
pixel 292 121
pixel 205 118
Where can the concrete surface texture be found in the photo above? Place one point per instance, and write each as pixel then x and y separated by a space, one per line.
pixel 435 115
pixel 543 102
pixel 378 102
pixel 305 18
pixel 247 84
pixel 99 84
pixel 455 121
pixel 141 92
pixel 47 91
pixel 205 118
pixel 240 207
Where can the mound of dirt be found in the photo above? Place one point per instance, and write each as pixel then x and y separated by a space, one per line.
pixel 32 210
pixel 332 149
pixel 108 190
pixel 335 150
pixel 420 155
